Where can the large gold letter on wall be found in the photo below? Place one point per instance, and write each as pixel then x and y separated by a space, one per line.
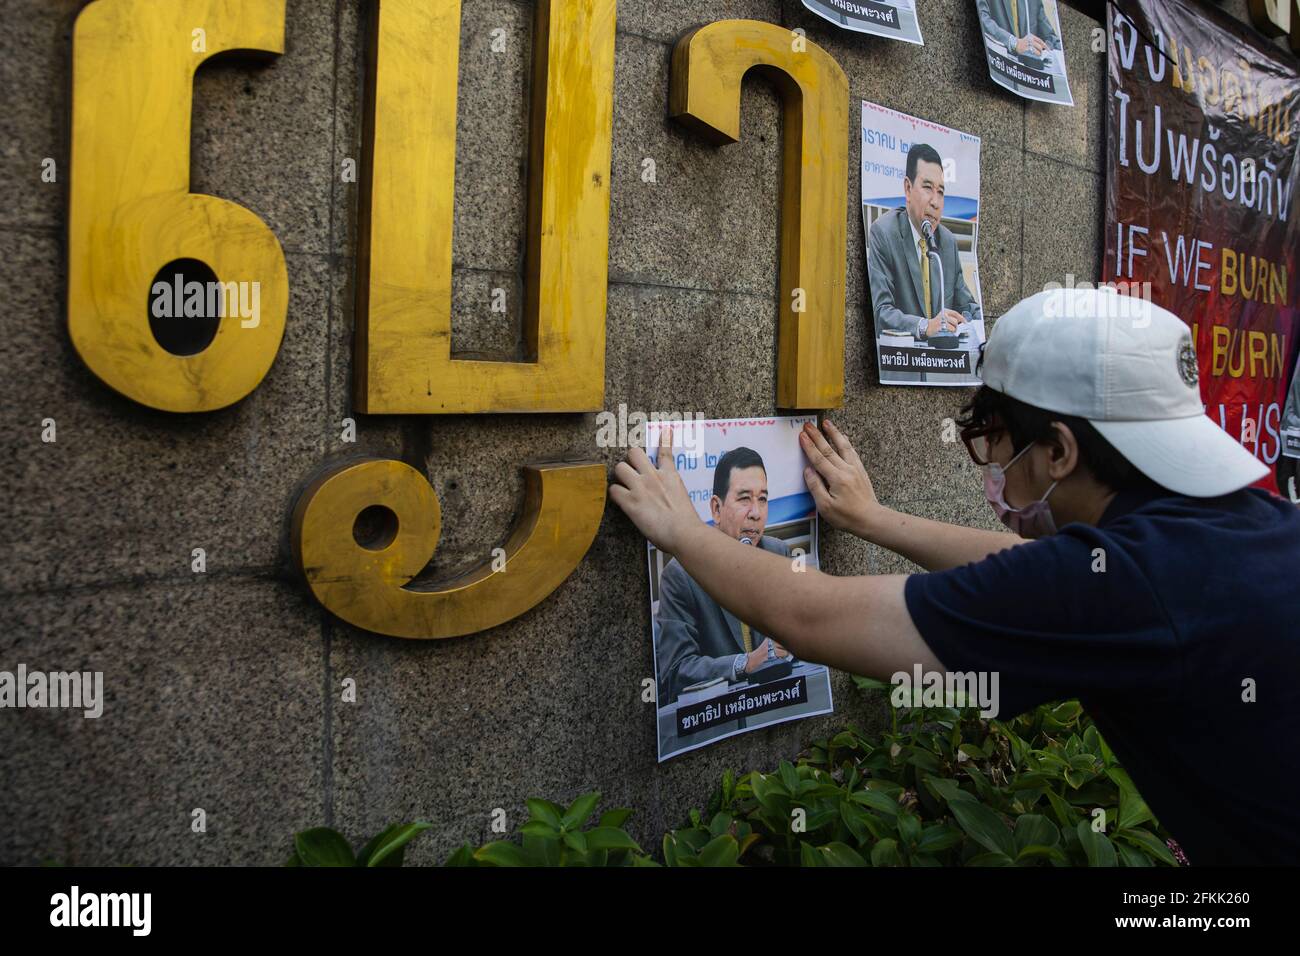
pixel 708 66
pixel 130 211
pixel 403 339
pixel 359 571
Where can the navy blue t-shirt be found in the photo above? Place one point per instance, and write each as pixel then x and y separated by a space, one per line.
pixel 1198 596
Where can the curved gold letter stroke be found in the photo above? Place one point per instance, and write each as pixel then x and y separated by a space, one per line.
pixel 403 340
pixel 563 505
pixel 130 211
pixel 708 66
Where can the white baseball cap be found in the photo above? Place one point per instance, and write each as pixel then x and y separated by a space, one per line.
pixel 1128 367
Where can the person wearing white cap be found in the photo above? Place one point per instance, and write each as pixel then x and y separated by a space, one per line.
pixel 1143 575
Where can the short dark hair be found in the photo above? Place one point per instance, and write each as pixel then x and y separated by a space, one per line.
pixel 1027 424
pixel 736 458
pixel 918 152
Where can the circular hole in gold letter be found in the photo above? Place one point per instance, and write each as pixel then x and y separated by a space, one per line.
pixel 185 305
pixel 375 528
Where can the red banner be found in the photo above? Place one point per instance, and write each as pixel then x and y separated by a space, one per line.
pixel 1203 129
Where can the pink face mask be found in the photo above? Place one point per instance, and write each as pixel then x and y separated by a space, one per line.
pixel 1032 521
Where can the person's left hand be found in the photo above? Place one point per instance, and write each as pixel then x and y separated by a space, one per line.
pixel 655 498
pixel 838 481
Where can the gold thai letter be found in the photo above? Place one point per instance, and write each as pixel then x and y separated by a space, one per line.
pixel 403 339
pixel 130 211
pixel 362 581
pixel 708 66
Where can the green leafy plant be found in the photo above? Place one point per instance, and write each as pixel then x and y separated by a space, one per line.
pixel 943 787
pixel 555 836
pixel 322 846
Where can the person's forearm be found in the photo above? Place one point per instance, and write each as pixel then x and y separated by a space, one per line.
pixel 697 668
pixel 934 545
pixel 761 588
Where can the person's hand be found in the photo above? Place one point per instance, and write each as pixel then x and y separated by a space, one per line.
pixel 838 480
pixel 1030 42
pixel 758 656
pixel 946 321
pixel 654 498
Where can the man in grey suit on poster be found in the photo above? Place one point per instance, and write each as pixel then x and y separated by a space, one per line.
pixel 698 640
pixel 1022 26
pixel 900 258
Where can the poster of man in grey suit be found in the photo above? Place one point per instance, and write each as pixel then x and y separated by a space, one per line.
pixel 921 264
pixel 715 674
pixel 1288 459
pixel 1022 43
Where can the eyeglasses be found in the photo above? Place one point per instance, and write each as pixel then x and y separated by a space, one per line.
pixel 978 439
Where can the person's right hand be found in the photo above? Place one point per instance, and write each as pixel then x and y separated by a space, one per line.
pixel 758 656
pixel 1026 42
pixel 946 321
pixel 838 481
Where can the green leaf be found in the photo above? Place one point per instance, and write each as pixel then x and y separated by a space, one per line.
pixel 388 847
pixel 789 776
pixel 728 787
pixel 614 818
pixel 984 826
pixel 1034 830
pixel 670 850
pixel 939 837
pixel 885 853
pixel 580 810
pixel 502 853
pixel 321 846
pixel 542 851
pixel 1096 846
pixel 909 827
pixel 1036 851
pixel 462 857
pixel 720 824
pixel 990 859
pixel 545 811
pixel 720 851
pixel 610 838
pixel 974 751
pixel 838 854
pixel 877 801
pixel 1106 753
pixel 575 840
pixel 540 829
pixel 1068 711
pixel 945 789
pixel 1149 843
pixel 1132 856
pixel 1133 810
pixel 1065 815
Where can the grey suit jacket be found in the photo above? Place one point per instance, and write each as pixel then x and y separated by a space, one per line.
pixel 698 638
pixel 995 16
pixel 894 273
pixel 1291 411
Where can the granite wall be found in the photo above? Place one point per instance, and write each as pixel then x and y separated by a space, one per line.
pixel 223 689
